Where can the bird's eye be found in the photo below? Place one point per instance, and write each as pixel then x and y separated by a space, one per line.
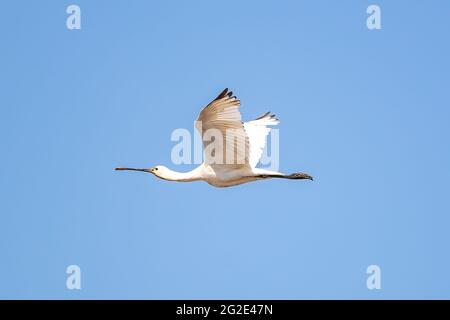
pixel 156 169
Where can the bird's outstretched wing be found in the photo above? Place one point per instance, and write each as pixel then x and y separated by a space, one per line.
pixel 257 131
pixel 222 116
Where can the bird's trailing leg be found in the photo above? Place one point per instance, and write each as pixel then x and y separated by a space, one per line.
pixel 298 175
pixel 293 176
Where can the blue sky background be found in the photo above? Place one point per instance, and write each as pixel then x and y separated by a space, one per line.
pixel 365 112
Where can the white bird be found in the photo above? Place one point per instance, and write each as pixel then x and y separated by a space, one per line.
pixel 223 114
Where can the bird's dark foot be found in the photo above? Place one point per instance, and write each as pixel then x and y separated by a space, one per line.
pixel 299 175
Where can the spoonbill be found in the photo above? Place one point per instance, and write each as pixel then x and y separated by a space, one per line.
pixel 222 114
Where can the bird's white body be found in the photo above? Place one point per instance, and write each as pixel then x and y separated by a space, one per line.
pixel 223 116
pixel 217 176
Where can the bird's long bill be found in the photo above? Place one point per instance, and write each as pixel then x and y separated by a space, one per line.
pixel 133 169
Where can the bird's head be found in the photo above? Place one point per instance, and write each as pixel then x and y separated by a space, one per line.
pixel 159 171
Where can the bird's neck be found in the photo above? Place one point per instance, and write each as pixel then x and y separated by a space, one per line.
pixel 171 175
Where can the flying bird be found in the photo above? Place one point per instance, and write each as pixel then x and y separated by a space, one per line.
pixel 222 115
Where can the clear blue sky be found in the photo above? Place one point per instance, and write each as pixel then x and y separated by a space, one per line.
pixel 365 112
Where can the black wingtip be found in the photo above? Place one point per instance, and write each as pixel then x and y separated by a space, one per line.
pixel 268 114
pixel 222 94
pixel 225 93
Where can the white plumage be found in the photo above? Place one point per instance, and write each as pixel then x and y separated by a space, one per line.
pixel 233 160
pixel 257 132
